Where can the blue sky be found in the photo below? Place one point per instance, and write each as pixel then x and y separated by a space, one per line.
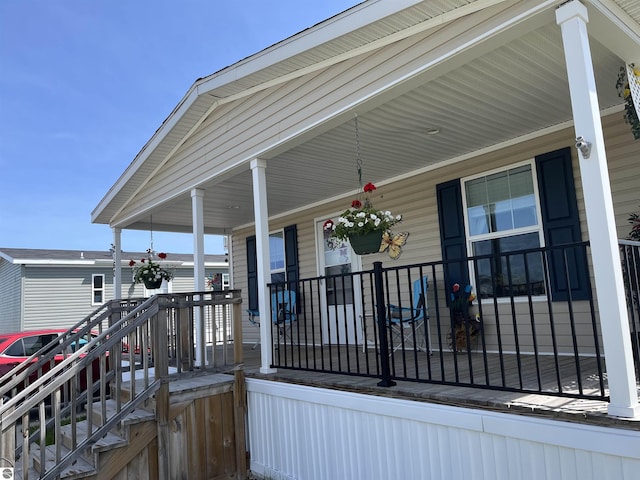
pixel 85 83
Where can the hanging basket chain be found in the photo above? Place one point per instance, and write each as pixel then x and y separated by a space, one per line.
pixel 358 158
pixel 151 234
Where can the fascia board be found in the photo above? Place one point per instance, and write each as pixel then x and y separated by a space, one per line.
pixel 149 147
pixel 343 23
pixel 624 38
pixel 6 257
pixel 352 19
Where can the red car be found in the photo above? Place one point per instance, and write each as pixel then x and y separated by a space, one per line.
pixel 17 347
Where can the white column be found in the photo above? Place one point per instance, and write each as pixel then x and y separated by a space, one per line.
pixel 261 215
pixel 607 269
pixel 197 211
pixel 117 263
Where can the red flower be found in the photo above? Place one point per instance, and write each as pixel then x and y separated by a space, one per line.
pixel 162 255
pixel 356 204
pixel 328 225
pixel 131 263
pixel 369 187
pixel 142 260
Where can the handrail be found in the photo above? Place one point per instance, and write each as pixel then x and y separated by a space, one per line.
pixel 61 373
pixel 104 350
pixel 102 431
pixel 22 371
pixel 89 351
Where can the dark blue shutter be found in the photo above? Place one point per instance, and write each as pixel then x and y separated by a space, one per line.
pixel 252 273
pixel 291 256
pixel 453 240
pixel 561 225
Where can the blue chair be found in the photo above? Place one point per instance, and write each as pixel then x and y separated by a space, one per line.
pixel 407 324
pixel 254 318
pixel 283 312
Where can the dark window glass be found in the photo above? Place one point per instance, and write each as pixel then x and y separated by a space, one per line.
pixel 502 274
pixel 16 349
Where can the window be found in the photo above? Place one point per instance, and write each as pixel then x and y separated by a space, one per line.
pixel 97 283
pixel 284 257
pixel 27 346
pixel 502 216
pixel 277 257
pixel 226 283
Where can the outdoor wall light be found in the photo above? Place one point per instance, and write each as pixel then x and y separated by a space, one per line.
pixel 584 147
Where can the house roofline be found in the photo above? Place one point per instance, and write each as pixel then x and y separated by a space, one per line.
pixel 312 37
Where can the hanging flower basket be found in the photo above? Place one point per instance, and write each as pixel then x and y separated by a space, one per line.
pixel 152 284
pixel 364 226
pixel 366 243
pixel 149 272
pixel 628 86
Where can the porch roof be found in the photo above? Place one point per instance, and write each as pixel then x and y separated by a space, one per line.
pixel 485 73
pixel 30 256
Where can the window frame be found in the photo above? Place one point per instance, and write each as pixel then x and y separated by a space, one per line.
pixel 538 227
pixel 102 289
pixel 282 270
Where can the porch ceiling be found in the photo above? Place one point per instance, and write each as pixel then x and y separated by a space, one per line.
pixel 517 89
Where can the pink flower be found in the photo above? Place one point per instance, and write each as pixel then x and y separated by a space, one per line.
pixel 356 204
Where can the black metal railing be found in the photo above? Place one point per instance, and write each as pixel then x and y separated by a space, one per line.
pixel 532 326
pixel 630 257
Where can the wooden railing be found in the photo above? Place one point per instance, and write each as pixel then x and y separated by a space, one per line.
pixel 135 344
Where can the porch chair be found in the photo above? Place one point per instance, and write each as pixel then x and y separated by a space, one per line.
pixel 404 321
pixel 283 313
pixel 254 319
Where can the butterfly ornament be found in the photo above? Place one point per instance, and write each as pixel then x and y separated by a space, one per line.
pixel 393 242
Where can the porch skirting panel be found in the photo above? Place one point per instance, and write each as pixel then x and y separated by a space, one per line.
pixel 308 433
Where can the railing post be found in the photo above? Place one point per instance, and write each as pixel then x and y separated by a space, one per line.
pixel 160 349
pixel 381 315
pixel 7 442
pixel 236 318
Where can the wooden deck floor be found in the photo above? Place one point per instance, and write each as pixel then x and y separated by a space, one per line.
pixel 444 366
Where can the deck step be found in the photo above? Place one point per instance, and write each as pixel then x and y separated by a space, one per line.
pixel 137 416
pixel 81 468
pixel 109 441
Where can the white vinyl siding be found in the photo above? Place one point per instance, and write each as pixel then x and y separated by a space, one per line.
pixel 297 431
pixel 61 296
pixel 10 296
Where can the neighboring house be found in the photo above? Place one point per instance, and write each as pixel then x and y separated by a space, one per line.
pixel 57 288
pixel 466 115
